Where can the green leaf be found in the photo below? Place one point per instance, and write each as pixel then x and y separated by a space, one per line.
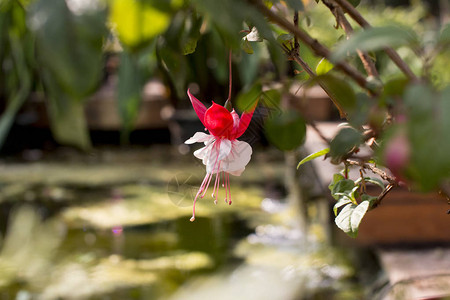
pixel 284 37
pixel 137 22
pixel 375 38
pixel 444 37
pixel 339 89
pixel 324 66
pixel 313 156
pixel 396 86
pixel 371 180
pixel 344 187
pixel 190 46
pixel 271 99
pixel 428 131
pixel 129 90
pixel 247 47
pixel 69 46
pixel 248 98
pixel 336 178
pixel 355 3
pixel 350 217
pixel 341 202
pixel 295 4
pixel 343 219
pixel 18 97
pixel 175 65
pixel 286 131
pixel 228 17
pixel 344 142
pixel 357 216
pixel 370 199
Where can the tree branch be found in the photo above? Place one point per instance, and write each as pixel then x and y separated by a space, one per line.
pixel 295 57
pixel 393 55
pixel 313 44
pixel 336 10
pixel 392 180
pixel 381 196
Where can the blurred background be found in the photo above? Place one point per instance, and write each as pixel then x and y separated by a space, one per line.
pixel 96 185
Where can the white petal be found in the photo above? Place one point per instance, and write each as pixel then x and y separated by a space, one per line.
pixel 237 173
pixel 225 148
pixel 199 137
pixel 200 153
pixel 238 158
pixel 212 159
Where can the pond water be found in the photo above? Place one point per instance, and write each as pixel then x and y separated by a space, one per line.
pixel 115 225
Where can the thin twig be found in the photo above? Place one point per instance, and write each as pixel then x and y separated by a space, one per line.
pixel 312 43
pixel 294 55
pixel 381 196
pixel 392 180
pixel 336 10
pixel 296 44
pixel 312 74
pixel 317 130
pixel 393 55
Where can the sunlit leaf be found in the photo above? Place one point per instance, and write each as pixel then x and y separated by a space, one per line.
pixel 375 38
pixel 247 47
pixel 343 219
pixel 357 216
pixel 190 46
pixel 286 131
pixel 349 218
pixel 137 22
pixel 341 202
pixel 324 66
pixel 313 156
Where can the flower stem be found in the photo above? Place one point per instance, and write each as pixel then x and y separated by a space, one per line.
pixel 230 75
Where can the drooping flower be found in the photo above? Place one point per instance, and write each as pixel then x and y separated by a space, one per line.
pixel 222 154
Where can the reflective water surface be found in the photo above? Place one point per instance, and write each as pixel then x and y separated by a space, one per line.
pixel 115 225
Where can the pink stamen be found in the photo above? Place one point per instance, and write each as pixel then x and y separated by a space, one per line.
pixel 206 186
pixel 202 186
pixel 226 187
pixel 229 188
pixel 207 180
pixel 216 183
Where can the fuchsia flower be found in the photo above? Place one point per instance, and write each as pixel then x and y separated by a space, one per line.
pixel 223 154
